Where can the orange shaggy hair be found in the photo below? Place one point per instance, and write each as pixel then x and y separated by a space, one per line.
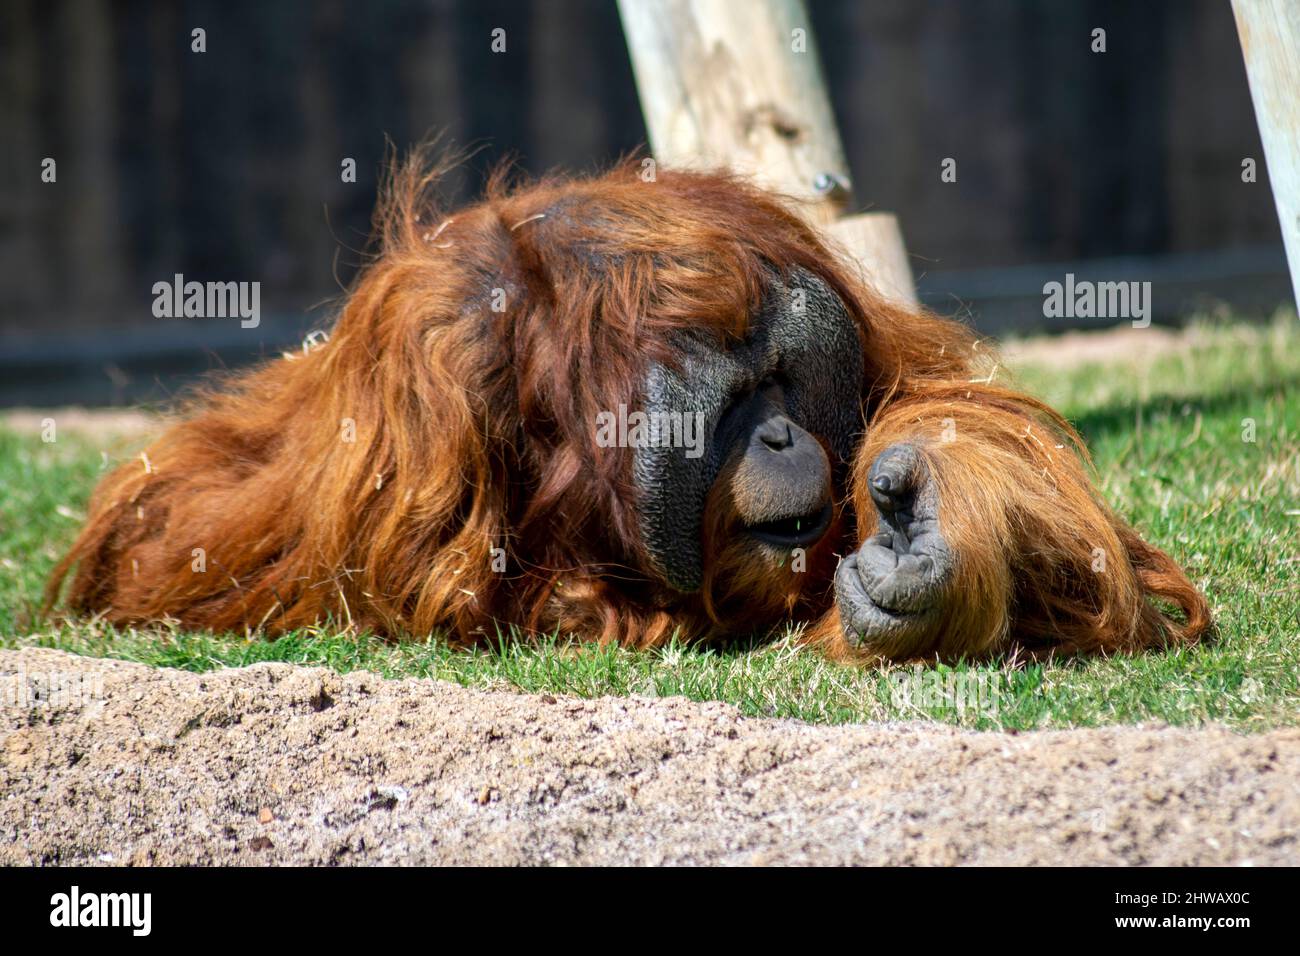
pixel 432 468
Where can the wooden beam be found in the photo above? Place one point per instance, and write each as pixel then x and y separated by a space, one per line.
pixel 1270 43
pixel 739 85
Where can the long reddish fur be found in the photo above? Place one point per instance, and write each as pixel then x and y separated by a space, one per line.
pixel 474 431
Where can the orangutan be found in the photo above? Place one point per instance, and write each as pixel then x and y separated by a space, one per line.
pixel 624 410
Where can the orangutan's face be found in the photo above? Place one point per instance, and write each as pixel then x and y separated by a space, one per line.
pixel 780 413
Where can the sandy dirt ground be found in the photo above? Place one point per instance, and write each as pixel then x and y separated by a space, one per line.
pixel 117 422
pixel 1121 344
pixel 284 764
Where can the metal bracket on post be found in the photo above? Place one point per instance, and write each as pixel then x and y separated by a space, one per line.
pixel 739 85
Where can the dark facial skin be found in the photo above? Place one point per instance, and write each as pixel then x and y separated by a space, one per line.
pixel 782 412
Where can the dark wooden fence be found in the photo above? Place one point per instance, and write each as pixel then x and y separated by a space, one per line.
pixel 224 165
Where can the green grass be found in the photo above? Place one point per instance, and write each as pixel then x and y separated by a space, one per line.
pixel 1166 428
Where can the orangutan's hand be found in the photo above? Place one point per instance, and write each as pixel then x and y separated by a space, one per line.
pixel 891 592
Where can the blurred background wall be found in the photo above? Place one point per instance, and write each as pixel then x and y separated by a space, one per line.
pixel 225 165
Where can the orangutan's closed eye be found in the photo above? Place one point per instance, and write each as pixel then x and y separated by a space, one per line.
pixel 445 463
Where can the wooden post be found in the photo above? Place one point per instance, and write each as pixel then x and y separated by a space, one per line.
pixel 1270 43
pixel 736 84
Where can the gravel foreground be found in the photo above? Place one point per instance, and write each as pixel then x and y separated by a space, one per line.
pixel 280 764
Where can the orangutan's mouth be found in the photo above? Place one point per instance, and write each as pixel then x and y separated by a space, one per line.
pixel 795 531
